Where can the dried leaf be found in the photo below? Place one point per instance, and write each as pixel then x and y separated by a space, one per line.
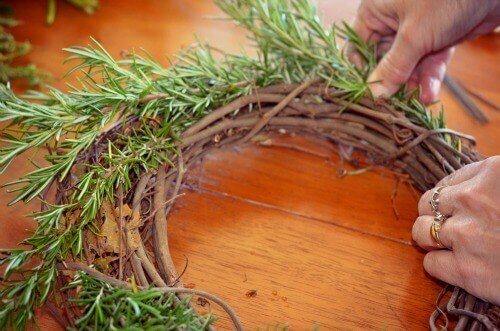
pixel 126 211
pixel 109 229
pixel 135 221
pixel 102 263
pixel 134 217
pixel 134 240
pixel 92 241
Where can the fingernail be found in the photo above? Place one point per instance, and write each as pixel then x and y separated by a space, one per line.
pixel 377 86
pixel 430 90
pixel 379 90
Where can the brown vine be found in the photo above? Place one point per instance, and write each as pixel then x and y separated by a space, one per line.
pixel 386 137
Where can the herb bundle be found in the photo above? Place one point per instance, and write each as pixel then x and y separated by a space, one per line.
pixel 120 143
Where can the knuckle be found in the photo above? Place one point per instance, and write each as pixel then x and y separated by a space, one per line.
pixel 406 36
pixel 492 164
pixel 466 195
pixel 430 263
pixel 393 72
pixel 464 235
pixel 415 230
pixel 409 40
pixel 423 203
pixel 448 179
pixel 459 234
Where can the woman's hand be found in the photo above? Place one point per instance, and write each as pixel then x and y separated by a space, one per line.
pixel 471 200
pixel 419 37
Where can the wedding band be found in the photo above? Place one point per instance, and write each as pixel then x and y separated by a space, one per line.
pixel 435 228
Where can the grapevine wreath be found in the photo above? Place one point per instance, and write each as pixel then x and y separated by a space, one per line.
pixel 119 145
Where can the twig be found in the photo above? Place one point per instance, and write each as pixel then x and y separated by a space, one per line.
pixel 463 312
pixel 425 135
pixel 393 198
pixel 165 265
pixel 468 105
pixel 121 231
pixel 481 98
pixel 149 267
pixel 229 108
pixel 283 103
pixel 439 312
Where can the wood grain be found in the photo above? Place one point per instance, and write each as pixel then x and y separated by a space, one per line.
pixel 309 185
pixel 306 272
pixel 274 220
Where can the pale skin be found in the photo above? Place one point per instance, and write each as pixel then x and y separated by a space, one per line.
pixel 419 39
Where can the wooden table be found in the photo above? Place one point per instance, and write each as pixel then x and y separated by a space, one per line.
pixel 319 250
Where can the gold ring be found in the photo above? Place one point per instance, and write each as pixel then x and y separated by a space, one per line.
pixel 436 227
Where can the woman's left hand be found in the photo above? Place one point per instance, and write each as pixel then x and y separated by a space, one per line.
pixel 470 235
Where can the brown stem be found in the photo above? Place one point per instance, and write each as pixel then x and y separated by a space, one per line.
pixel 273 112
pixel 136 204
pixel 430 164
pixel 160 234
pixel 229 108
pixel 322 90
pixel 362 120
pixel 149 267
pixel 121 231
pixel 470 300
pixel 388 118
pixel 447 155
pixel 138 269
pixel 445 165
pixel 425 135
pixel 462 312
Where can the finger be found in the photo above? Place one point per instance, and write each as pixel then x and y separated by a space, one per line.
pixel 413 82
pixel 369 28
pixel 447 201
pixel 442 265
pixel 396 66
pixel 421 233
pixel 431 71
pixel 465 173
pixel 384 45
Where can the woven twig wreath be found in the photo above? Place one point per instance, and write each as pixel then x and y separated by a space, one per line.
pixel 386 137
pixel 120 147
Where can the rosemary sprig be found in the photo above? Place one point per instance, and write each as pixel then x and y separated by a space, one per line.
pixel 106 307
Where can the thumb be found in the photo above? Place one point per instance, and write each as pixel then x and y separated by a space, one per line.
pixel 396 66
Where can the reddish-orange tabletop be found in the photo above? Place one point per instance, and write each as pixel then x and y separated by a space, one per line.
pixel 319 250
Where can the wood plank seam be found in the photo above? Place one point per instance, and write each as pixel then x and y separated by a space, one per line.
pixel 199 189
